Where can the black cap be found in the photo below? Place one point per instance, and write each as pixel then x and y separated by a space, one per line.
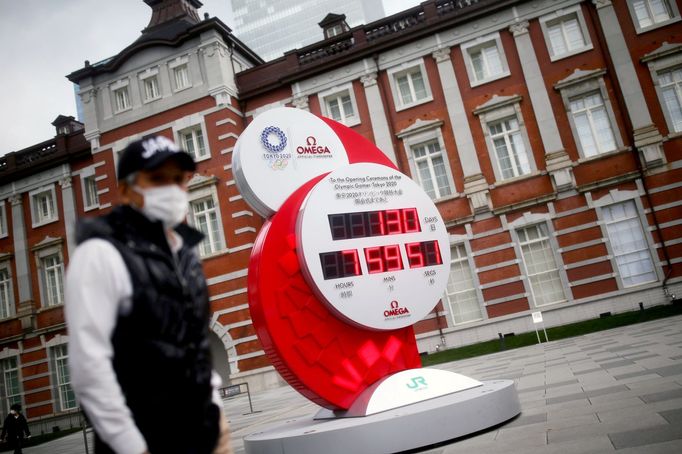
pixel 149 153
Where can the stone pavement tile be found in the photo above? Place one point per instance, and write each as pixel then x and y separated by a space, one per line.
pixel 526 437
pixel 668 371
pixel 630 421
pixel 535 396
pixel 589 445
pixel 620 348
pixel 602 378
pixel 646 436
pixel 668 447
pixel 566 398
pixel 625 368
pixel 563 390
pixel 662 366
pixel 641 356
pixel 533 404
pixel 663 395
pixel 672 416
pixel 631 404
pixel 574 421
pixel 588 371
pixel 637 378
pixel 525 420
pixel 551 386
pixel 607 359
pixel 656 384
pixel 637 373
pixel 534 370
pixel 606 390
pixel 615 364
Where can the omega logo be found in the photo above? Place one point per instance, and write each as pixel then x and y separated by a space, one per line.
pixel 396 310
pixel 311 147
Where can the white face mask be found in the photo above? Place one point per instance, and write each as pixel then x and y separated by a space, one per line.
pixel 168 204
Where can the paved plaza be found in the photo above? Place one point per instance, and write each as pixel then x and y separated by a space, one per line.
pixel 617 390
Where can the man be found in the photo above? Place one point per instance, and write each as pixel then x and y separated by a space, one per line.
pixel 14 428
pixel 137 313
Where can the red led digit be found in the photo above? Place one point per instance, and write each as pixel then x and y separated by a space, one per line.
pixel 432 253
pixel 393 222
pixel 351 263
pixel 410 220
pixel 357 225
pixel 376 223
pixel 392 258
pixel 339 227
pixel 375 263
pixel 415 255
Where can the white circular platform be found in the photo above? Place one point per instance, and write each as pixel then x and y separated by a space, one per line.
pixel 413 426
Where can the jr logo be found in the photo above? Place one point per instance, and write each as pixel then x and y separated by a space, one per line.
pixel 417 383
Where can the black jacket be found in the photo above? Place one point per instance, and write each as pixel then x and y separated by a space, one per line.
pixel 15 427
pixel 161 349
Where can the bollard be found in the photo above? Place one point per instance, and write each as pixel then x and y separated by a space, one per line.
pixel 502 346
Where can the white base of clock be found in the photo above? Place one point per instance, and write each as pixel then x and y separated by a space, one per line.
pixel 416 425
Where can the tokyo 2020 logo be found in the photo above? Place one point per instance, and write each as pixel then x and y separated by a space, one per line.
pixel 274 141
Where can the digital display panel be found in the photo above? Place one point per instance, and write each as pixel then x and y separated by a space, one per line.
pixel 339 264
pixel 380 259
pixel 368 238
pixel 426 253
pixel 362 224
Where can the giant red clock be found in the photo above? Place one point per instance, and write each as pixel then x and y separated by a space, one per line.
pixel 352 255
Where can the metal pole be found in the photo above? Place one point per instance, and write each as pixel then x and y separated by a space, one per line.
pixel 85 434
pixel 537 334
pixel 543 329
pixel 248 393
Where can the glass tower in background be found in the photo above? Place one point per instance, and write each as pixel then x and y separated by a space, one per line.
pixel 273 27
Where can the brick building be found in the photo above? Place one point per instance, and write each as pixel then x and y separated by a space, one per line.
pixel 548 132
pixel 43 189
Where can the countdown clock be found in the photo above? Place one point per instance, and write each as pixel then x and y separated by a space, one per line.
pixel 373 246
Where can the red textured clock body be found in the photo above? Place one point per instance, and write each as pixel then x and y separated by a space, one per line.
pixel 325 358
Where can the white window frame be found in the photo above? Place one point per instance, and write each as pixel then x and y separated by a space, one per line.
pixel 4 230
pixel 558 264
pixel 53 247
pixel 54 216
pixel 407 68
pixel 7 291
pixel 180 140
pixel 499 110
pixel 560 16
pixel 475 45
pixel 588 82
pixel 616 197
pixel 337 93
pixel 150 74
pixel 203 188
pixel 173 65
pixel 60 353
pixel 86 176
pixel 675 16
pixel 123 84
pixel 666 59
pixel 468 262
pixel 422 135
pixel 7 400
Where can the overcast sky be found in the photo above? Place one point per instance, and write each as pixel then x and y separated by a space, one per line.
pixel 41 41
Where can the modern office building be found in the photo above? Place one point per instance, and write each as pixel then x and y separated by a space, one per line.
pixel 271 28
pixel 548 133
